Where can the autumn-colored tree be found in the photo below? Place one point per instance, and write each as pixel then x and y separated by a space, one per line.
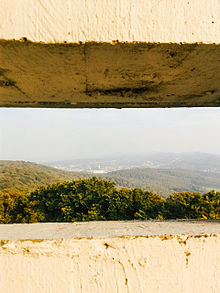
pixel 96 199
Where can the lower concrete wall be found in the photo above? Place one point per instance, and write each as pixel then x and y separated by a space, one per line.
pixel 174 262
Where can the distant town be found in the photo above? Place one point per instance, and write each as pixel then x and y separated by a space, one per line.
pixel 192 161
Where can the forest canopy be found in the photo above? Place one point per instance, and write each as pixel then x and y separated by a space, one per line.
pixel 97 199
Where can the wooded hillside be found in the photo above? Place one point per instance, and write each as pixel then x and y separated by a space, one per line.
pixel 97 199
pixel 26 176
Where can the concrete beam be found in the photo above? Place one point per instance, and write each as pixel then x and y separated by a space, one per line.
pixel 97 53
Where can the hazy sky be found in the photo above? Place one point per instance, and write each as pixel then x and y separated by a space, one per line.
pixel 57 134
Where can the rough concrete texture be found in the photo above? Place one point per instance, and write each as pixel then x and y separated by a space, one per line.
pixel 106 229
pixel 118 53
pixel 109 75
pixel 164 21
pixel 181 257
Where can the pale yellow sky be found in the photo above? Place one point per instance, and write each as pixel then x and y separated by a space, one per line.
pixel 57 134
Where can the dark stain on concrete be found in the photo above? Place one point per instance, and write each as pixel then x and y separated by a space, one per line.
pixel 104 75
pixel 121 91
pixel 187 253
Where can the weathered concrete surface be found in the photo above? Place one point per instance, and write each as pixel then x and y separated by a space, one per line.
pixel 118 53
pixel 110 257
pixel 106 229
pixel 164 21
pixel 107 75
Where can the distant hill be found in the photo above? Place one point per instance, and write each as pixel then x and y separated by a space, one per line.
pixel 191 161
pixel 165 181
pixel 26 176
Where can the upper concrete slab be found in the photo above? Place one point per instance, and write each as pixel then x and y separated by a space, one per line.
pixel 112 53
pixel 105 75
pixel 58 21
